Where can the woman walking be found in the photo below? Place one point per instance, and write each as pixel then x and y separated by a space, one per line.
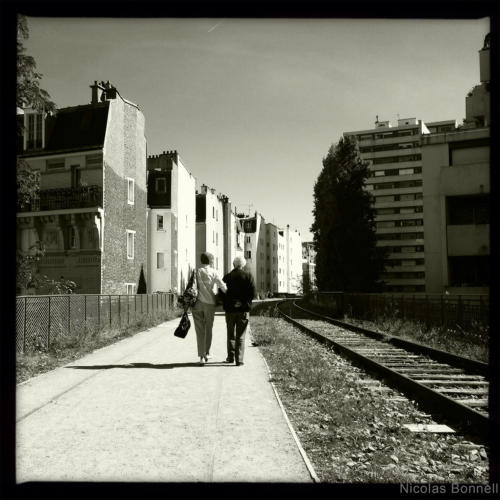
pixel 204 309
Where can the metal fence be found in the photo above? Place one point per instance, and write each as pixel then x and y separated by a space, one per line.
pixel 464 311
pixel 42 320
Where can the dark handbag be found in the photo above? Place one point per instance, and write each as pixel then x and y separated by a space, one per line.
pixel 190 295
pixel 183 328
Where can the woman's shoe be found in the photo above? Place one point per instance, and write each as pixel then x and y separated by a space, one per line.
pixel 202 361
pixel 206 358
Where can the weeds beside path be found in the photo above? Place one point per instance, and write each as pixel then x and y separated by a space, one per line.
pixel 64 351
pixel 353 433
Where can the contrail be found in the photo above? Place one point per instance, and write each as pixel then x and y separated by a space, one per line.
pixel 213 27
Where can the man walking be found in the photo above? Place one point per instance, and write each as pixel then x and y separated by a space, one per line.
pixel 237 303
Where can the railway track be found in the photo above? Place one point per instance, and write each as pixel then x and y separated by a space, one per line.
pixel 452 388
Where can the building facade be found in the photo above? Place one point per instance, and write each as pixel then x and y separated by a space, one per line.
pixel 456 197
pixel 273 255
pixel 171 227
pixel 210 227
pixel 395 159
pixel 90 214
pixel 308 267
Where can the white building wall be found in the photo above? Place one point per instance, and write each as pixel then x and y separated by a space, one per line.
pixel 294 260
pixel 160 279
pixel 184 203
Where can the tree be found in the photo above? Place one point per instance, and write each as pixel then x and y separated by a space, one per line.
pixel 141 287
pixel 31 95
pixel 344 228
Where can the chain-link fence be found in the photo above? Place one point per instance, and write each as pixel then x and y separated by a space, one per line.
pixel 42 320
pixel 464 311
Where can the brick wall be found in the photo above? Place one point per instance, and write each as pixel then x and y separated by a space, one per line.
pixel 124 156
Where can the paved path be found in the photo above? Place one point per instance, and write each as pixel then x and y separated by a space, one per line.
pixel 143 410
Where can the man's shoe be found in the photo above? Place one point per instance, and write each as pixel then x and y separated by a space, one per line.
pixel 229 360
pixel 239 363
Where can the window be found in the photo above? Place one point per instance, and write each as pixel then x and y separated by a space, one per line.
pixel 248 254
pixel 378 173
pixel 130 288
pixel 216 238
pixel 213 212
pixel 38 131
pixel 55 164
pixel 130 243
pixel 159 222
pixel 213 236
pixel 161 184
pixel 247 239
pixel 408 210
pixel 406 171
pixel 385 223
pixel 72 243
pixel 468 210
pixel 469 271
pixel 160 260
pixel 31 132
pixel 130 190
pixel 93 161
pixel 217 214
pixel 387 211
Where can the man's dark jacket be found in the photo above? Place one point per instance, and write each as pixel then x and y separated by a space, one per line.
pixel 240 289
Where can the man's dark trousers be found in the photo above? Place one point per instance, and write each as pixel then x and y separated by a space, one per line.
pixel 236 339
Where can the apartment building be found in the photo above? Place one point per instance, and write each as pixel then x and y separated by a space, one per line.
pixel 293 245
pixel 395 158
pixel 308 266
pixel 273 255
pixel 171 227
pixel 232 234
pixel 90 214
pixel 456 197
pixel 210 226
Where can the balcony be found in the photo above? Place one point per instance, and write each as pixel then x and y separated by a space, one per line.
pixel 66 198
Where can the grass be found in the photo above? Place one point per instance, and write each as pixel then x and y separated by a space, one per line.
pixel 470 344
pixel 63 350
pixel 352 433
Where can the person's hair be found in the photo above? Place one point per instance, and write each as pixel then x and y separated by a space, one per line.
pixel 239 262
pixel 207 258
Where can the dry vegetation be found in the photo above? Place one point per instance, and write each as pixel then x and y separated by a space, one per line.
pixel 353 433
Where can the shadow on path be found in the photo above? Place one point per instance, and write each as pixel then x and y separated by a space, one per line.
pixel 147 365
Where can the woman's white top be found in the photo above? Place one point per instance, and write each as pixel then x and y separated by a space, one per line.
pixel 208 280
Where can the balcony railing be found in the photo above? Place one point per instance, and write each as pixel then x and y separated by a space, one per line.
pixel 63 198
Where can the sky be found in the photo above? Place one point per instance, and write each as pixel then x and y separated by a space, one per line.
pixel 253 105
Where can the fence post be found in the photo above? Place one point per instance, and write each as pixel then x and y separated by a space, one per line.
pixel 110 317
pixel 119 311
pixel 135 307
pixel 442 310
pixel 24 328
pixel 459 310
pixel 69 315
pixel 480 320
pixel 48 328
pixel 99 312
pixel 426 312
pixel 85 310
pixel 128 310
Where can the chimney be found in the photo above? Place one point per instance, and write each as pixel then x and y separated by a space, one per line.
pixel 95 97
